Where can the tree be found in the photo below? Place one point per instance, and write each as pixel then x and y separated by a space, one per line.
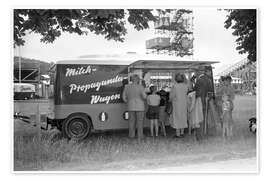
pixel 243 22
pixel 50 23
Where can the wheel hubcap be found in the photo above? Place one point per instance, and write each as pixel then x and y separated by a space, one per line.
pixel 77 128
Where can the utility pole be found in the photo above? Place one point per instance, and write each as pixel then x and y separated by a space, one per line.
pixel 20 65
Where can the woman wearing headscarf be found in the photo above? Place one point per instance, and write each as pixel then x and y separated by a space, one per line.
pixel 178 96
pixel 134 95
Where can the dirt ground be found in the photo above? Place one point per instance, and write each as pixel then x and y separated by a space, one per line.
pixel 248 165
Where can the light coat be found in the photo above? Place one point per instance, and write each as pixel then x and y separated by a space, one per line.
pixel 178 96
pixel 134 95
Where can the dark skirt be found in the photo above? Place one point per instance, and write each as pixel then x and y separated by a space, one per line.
pixel 152 112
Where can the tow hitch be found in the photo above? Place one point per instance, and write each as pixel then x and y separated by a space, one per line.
pixel 27 119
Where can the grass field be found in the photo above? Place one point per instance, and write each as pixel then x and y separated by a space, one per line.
pixel 114 151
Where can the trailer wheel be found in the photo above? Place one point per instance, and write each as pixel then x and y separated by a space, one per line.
pixel 76 126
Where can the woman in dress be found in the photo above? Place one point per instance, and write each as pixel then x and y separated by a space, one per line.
pixel 178 96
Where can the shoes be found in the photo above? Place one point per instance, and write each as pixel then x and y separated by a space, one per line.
pixel 198 138
pixel 181 136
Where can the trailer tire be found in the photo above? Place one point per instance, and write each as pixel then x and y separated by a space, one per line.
pixel 77 126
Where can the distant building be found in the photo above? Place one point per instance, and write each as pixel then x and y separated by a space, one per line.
pixel 244 70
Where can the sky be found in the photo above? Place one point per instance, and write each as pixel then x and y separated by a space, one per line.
pixel 212 42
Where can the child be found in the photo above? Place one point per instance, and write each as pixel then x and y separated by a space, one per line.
pixel 152 114
pixel 225 88
pixel 190 108
pixel 164 98
pixel 227 121
pixel 195 112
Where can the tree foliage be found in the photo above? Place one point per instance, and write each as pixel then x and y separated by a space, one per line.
pixel 243 22
pixel 51 23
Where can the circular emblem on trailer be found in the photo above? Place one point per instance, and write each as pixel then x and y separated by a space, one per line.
pixel 125 115
pixel 103 116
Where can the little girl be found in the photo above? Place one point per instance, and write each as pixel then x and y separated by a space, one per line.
pixel 152 114
pixel 195 112
pixel 164 98
pixel 227 121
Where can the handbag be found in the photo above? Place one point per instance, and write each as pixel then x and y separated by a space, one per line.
pixel 169 108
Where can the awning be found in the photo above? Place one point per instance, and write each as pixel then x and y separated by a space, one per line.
pixel 167 64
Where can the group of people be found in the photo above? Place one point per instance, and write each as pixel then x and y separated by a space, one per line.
pixel 189 104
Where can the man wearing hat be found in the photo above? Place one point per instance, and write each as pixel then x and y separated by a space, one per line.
pixel 204 89
pixel 134 95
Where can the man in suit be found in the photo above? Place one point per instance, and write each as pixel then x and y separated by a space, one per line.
pixel 134 95
pixel 204 85
pixel 205 90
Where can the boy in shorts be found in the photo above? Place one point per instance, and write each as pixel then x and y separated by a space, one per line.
pixel 152 113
